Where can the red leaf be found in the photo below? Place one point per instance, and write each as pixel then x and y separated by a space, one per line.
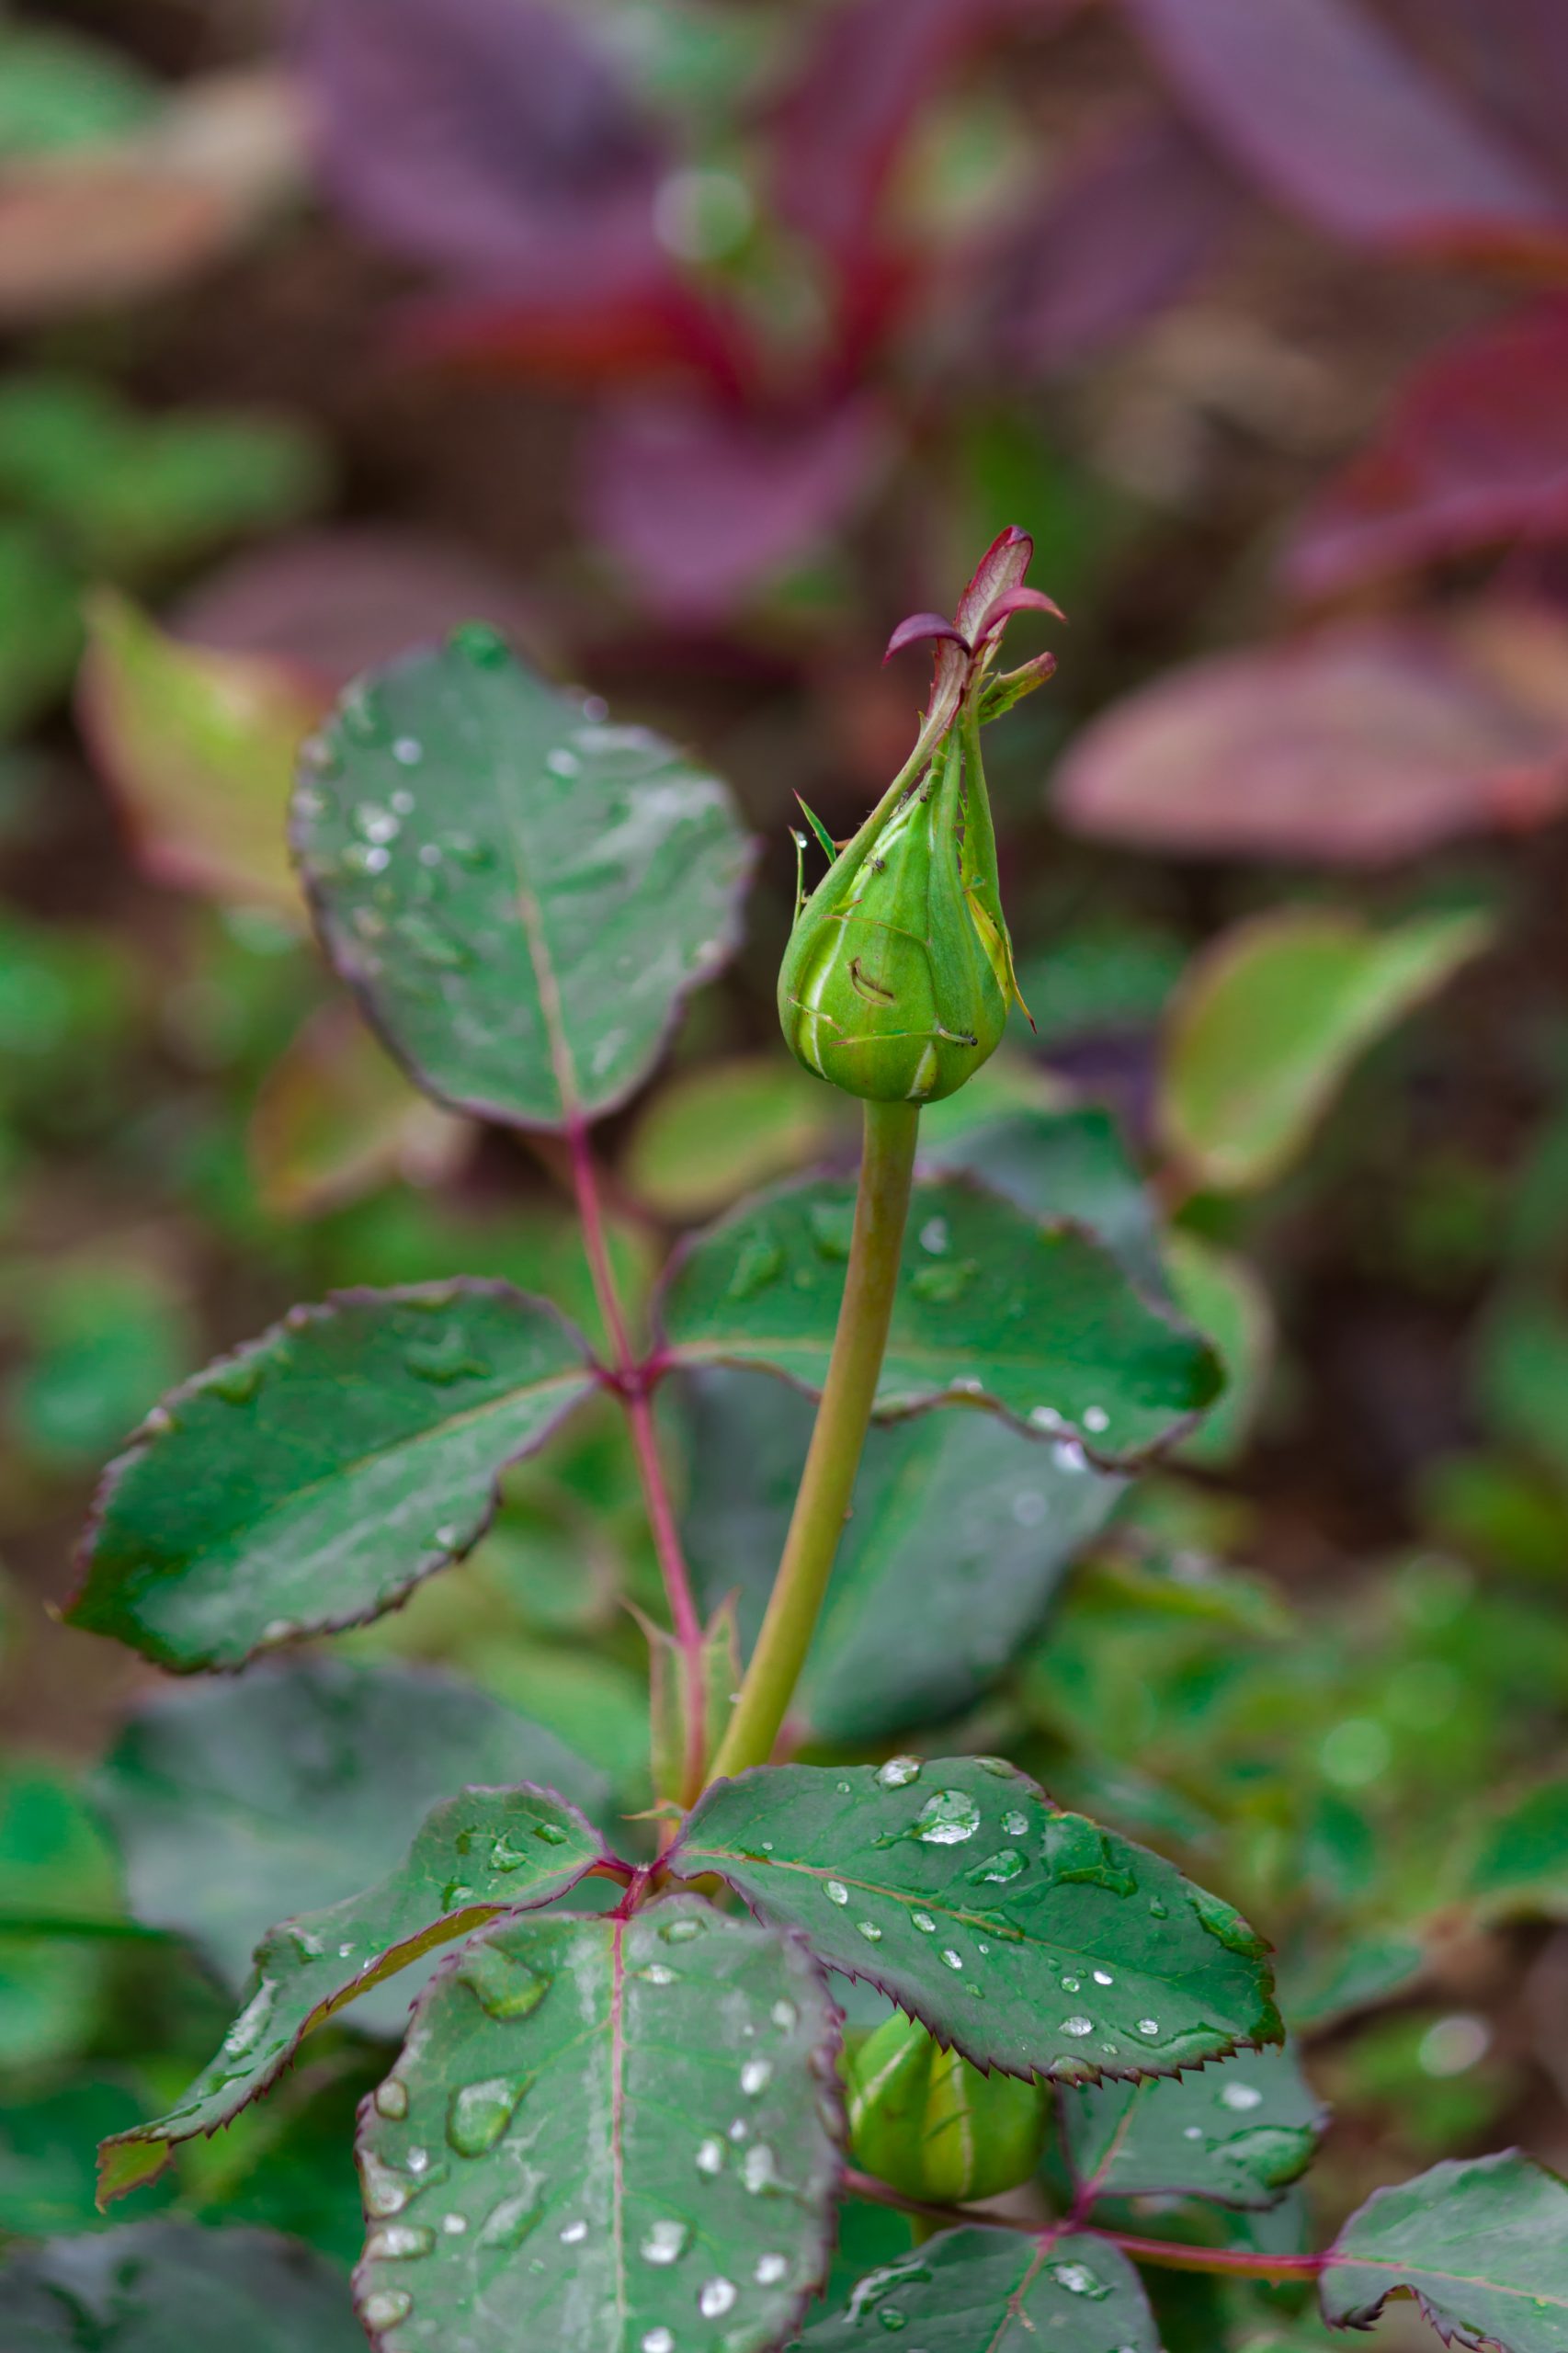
pixel 1135 216
pixel 334 603
pixel 488 137
pixel 999 572
pixel 1476 451
pixel 1367 742
pixel 700 504
pixel 918 629
pixel 1346 127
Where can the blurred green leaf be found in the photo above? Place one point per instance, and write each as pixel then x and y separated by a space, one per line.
pixel 167 2284
pixel 47 2182
pixel 59 90
pixel 106 1337
pixel 335 1115
pixel 1271 1018
pixel 1222 1298
pixel 237 1803
pixel 710 1134
pixel 199 749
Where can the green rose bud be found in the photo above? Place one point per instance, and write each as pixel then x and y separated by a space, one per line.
pixel 899 972
pixel 926 2122
pixel 889 988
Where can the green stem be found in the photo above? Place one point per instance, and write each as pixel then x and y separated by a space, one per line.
pixel 887 1167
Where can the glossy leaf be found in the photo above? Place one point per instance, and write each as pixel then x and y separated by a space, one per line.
pixel 165 2284
pixel 1238 2133
pixel 634 2124
pixel 1473 454
pixel 1359 745
pixel 1029 1939
pixel 1034 1321
pixel 312 1477
pixel 712 1132
pixel 1521 1868
pixel 199 749
pixel 1270 1021
pixel 334 1117
pixel 1067 1162
pixel 487 1851
pixel 1482 2243
pixel 960 1508
pixel 999 2290
pixel 1341 123
pixel 239 1804
pixel 521 894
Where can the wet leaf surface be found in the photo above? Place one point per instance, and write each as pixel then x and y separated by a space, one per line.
pixel 608 2135
pixel 156 2285
pixel 996 2292
pixel 1238 2133
pixel 1482 2243
pixel 1029 1939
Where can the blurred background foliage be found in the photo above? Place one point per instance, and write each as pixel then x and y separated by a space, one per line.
pixel 694 342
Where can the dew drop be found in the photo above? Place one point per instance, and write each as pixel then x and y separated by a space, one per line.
pixel 407 751
pixel 952 1959
pixel 870 1931
pixel 997 1870
pixel 755 2077
pixel 419 2161
pixel 392 2097
pixel 374 823
pixel 402 802
pixel 758 2169
pixel 455 2226
pixel 947 1819
pixel 1240 2096
pixel 250 2027
pixel 835 1890
pixel 479 2113
pixel 770 2270
pixel 1016 1824
pixel 1079 2280
pixel 444 1359
pixel 1078 2027
pixel 924 1922
pixel 237 1381
pixel 716 2297
pixel 509 2224
pixel 479 643
pixel 561 762
pixel 658 2340
pixel 1149 2026
pixel 386 2307
pixel 363 719
pixel 572 2234
pixel 831 1224
pixel 785 2015
pixel 386 2192
pixel 898 1772
pixel 658 1972
pixel 1096 1419
pixel 504 1986
pixel 934 1235
pixel 400 2242
pixel 711 2155
pixel 664 2242
pixel 759 1263
pixel 1104 1977
pixel 1070 1984
pixel 681 1931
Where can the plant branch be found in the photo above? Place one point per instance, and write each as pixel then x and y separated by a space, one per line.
pixel 631 1387
pixel 882 1206
pixel 1168 2254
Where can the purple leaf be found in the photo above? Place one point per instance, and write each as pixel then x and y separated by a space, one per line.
pixel 487 137
pixel 918 629
pixel 1341 123
pixel 999 572
pixel 1474 453
pixel 700 503
pixel 1138 215
pixel 1020 600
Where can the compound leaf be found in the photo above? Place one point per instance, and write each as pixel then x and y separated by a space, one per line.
pixel 487 1851
pixel 309 1480
pixel 994 1308
pixel 1029 1939
pixel 1481 2243
pixel 1001 2290
pixel 520 894
pixel 1238 2133
pixel 607 2134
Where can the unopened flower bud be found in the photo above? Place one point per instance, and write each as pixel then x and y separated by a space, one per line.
pixel 929 2124
pixel 890 987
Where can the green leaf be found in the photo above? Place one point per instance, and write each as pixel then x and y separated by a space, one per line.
pixel 46 2145
pixel 1482 2243
pixel 1222 1298
pixel 1269 1020
pixel 40 595
pixel 156 2285
pixel 59 91
pixel 335 1118
pixel 711 1132
pixel 310 1479
pixel 522 896
pixel 1029 1939
pixel 487 1851
pixel 1069 1163
pixel 57 1873
pixel 288 2164
pixel 607 2135
pixel 978 1520
pixel 997 2291
pixel 240 1803
pixel 1521 1869
pixel 199 748
pixel 994 1308
pixel 1238 2133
